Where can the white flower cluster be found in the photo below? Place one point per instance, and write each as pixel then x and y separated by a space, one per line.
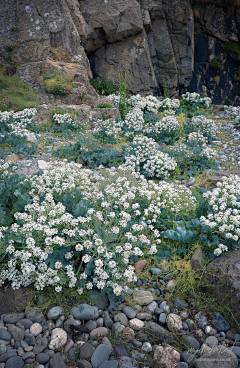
pixel 46 227
pixel 225 203
pixel 66 119
pixel 170 104
pixel 144 153
pixel 149 103
pixel 203 125
pixel 19 122
pixel 194 97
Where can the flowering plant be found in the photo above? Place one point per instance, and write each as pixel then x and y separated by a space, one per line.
pixel 81 91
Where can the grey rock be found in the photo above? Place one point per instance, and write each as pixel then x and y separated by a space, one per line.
pixel 4 334
pixel 90 325
pixel 121 317
pixel 152 306
pixel 137 343
pixel 135 354
pixel 69 345
pixel 40 345
pixel 236 350
pixel 147 347
pixel 211 341
pixel 69 322
pixel 158 311
pixel 73 354
pixel 84 311
pixel 3 349
pixel 109 364
pixel 126 362
pixel 57 361
pixel 162 318
pixel 28 354
pixel 107 320
pixel 156 332
pixel 30 339
pixel 86 351
pixel 117 328
pixel 223 358
pixel 34 315
pixel 129 311
pixel 182 365
pixel 60 321
pixel 191 181
pixel 236 336
pixel 55 312
pixel 155 271
pixel 193 343
pixel 23 344
pixel 121 351
pixel 99 322
pixel 107 342
pixel 180 304
pixel 188 358
pixel 13 318
pixel 16 332
pixel 144 316
pixel 142 297
pixel 9 354
pixel 77 75
pixel 219 322
pixel 42 358
pixel 62 63
pixel 198 259
pixel 14 362
pixel 100 355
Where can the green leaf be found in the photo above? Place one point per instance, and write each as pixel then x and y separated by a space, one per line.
pixel 114 301
pixel 58 255
pixel 81 208
pixel 181 234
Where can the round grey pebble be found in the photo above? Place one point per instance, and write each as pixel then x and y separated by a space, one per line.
pixel 27 323
pixel 193 342
pixel 109 364
pixel 28 354
pixel 55 312
pixel 4 334
pixel 121 317
pixel 15 362
pixel 129 311
pixel 100 355
pixel 42 358
pixel 162 318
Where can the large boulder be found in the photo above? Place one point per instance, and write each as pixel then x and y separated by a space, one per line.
pixel 222 278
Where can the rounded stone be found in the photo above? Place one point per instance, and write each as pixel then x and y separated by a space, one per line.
pixel 193 343
pixel 162 318
pixel 42 358
pixel 16 332
pixel 26 323
pixel 99 331
pixel 36 329
pixel 136 324
pixel 129 311
pixel 90 325
pixel 86 351
pixel 58 339
pixel 109 364
pixel 155 271
pixel 147 347
pixel 180 304
pixel 3 349
pixel 13 318
pixel 84 311
pixel 166 356
pixel 121 317
pixel 28 355
pixel 55 312
pixel 30 339
pixel 152 306
pixel 101 354
pixel 142 297
pixel 223 358
pixel 129 333
pixel 60 321
pixel 144 316
pixel 211 341
pixel 4 334
pixel 121 351
pixel 14 362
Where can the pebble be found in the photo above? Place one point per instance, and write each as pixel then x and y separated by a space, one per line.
pixel 129 312
pixel 142 297
pixel 58 339
pixel 84 311
pixel 121 317
pixel 55 313
pixel 100 355
pixel 174 322
pixel 136 324
pixel 152 306
pixel 99 331
pixel 36 329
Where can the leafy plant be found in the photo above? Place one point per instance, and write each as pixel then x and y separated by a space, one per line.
pixel 233 49
pixel 105 87
pixel 216 63
pixel 59 84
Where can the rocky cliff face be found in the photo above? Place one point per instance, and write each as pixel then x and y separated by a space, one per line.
pixel 152 41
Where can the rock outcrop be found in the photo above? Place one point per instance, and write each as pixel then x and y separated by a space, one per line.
pixel 150 41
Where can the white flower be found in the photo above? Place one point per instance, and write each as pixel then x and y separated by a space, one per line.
pixel 86 258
